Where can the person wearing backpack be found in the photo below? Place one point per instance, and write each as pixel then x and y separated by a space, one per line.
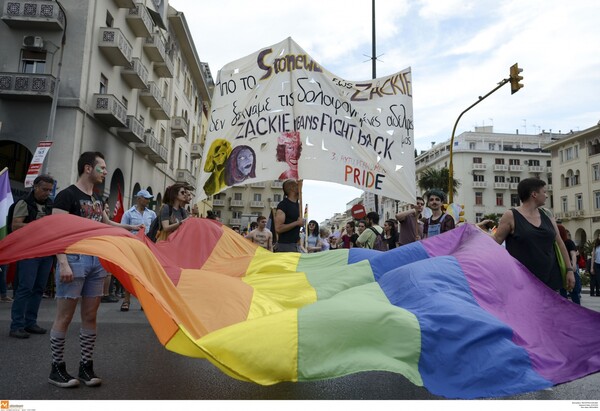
pixel 372 237
pixel 439 222
pixel 33 272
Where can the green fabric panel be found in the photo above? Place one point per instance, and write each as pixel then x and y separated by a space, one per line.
pixel 313 261
pixel 357 330
pixel 327 282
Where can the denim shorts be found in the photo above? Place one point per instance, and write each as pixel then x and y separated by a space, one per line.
pixel 88 277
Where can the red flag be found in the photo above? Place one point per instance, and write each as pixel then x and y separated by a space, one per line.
pixel 119 211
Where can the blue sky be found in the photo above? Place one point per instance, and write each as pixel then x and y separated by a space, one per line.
pixel 458 50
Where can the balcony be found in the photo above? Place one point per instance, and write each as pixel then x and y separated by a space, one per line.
pixel 185 176
pixel 479 166
pixel 114 46
pixel 537 169
pixel 152 98
pixel 152 148
pixel 179 127
pixel 139 20
pixel 479 184
pixel 125 4
pixel 274 204
pixel 501 186
pixel 235 221
pixel 133 132
pixel 109 110
pixel 136 74
pixel 155 48
pixel 513 186
pixel 33 15
pixel 196 151
pixel 500 167
pixel 277 184
pixel 27 86
pixel 549 187
pixel 218 202
pixel 258 185
pixel 237 203
pixel 165 69
pixel 515 169
pixel 257 204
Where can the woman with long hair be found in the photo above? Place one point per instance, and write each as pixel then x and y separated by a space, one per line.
pixel 390 234
pixel 313 238
pixel 172 213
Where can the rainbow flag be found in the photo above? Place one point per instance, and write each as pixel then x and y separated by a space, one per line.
pixel 6 200
pixel 454 313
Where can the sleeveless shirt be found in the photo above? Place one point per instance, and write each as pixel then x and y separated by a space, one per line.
pixel 534 248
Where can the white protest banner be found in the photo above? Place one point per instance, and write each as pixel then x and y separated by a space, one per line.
pixel 36 162
pixel 278 114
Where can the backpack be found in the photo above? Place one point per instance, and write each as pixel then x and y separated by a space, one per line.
pixel 379 244
pixel 155 226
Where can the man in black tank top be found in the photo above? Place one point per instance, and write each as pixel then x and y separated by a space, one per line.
pixel 530 234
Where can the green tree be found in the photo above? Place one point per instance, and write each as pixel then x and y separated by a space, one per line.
pixel 437 178
pixel 495 217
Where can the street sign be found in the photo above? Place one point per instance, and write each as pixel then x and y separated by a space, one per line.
pixel 36 162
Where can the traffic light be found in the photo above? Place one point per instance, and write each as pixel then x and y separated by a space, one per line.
pixel 515 78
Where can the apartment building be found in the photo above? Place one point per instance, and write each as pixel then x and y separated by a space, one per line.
pixel 122 77
pixel 576 170
pixel 489 167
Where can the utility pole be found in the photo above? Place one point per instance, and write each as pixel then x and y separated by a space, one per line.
pixel 514 79
pixel 374 68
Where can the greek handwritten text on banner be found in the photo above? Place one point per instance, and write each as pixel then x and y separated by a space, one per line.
pixel 278 114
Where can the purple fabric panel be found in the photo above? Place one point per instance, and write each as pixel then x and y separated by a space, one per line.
pixel 560 336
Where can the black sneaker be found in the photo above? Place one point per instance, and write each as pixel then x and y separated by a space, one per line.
pixel 20 333
pixel 87 375
pixel 36 329
pixel 60 377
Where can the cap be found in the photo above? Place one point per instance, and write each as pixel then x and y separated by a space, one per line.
pixel 145 194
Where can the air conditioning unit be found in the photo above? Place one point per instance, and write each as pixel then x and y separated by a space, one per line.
pixel 33 42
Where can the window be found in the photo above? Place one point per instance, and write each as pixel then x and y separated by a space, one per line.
pixel 236 214
pixel 597 200
pixel 514 162
pixel 237 196
pixel 500 199
pixel 33 62
pixel 218 196
pixel 515 179
pixel 549 163
pixel 478 198
pixel 534 162
pixel 477 160
pixel 499 161
pixel 478 177
pixel 578 202
pixel 575 179
pixel 514 200
pixel 142 120
pixel 124 101
pixel 564 204
pixel 492 146
pixel 172 154
pixel 472 146
pixel 499 179
pixel 103 84
pixel 163 136
pixel 596 172
pixel 257 197
pixel 478 217
pixel 276 198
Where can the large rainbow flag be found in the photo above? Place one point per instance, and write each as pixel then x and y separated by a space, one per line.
pixel 454 313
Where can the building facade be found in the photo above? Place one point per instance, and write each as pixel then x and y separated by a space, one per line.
pixel 116 76
pixel 489 166
pixel 576 167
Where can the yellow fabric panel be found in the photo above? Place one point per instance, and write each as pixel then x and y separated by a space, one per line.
pixel 268 346
pixel 289 290
pixel 265 262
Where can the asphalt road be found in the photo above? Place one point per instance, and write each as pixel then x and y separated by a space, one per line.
pixel 135 366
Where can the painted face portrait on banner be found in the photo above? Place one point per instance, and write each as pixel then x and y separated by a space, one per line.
pixel 289 149
pixel 215 163
pixel 240 165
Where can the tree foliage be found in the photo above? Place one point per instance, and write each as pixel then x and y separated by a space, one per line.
pixel 437 178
